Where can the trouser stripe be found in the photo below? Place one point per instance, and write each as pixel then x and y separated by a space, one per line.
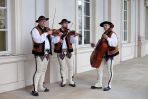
pixel 35 72
pixel 60 67
pixel 110 73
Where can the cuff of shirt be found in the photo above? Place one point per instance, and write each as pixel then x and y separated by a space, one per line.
pixel 45 34
pixel 108 39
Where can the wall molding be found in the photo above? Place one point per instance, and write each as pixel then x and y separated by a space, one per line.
pixel 12 86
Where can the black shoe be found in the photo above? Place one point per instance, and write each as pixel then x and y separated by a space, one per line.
pixel 34 93
pixel 72 85
pixel 106 89
pixel 63 85
pixel 94 87
pixel 46 90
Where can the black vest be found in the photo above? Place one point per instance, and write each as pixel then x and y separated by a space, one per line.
pixel 38 48
pixel 58 46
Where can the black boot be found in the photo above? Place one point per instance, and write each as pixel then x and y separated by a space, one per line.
pixel 94 87
pixel 107 88
pixel 63 85
pixel 46 90
pixel 34 93
pixel 72 85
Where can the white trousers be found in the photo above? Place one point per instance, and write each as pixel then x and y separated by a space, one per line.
pixel 66 64
pixel 39 74
pixel 109 65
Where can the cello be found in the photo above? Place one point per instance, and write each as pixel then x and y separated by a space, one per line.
pixel 98 53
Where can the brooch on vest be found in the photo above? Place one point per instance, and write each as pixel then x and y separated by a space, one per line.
pixel 65 53
pixel 43 57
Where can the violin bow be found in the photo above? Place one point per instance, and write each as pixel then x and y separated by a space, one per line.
pixel 54 18
pixel 71 26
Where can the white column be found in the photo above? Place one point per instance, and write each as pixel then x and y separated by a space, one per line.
pixel 99 18
pixel 16 49
pixel 141 35
pixel 114 13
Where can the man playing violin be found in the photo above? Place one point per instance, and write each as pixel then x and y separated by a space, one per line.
pixel 63 47
pixel 41 38
pixel 108 57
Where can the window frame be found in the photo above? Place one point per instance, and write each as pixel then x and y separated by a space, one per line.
pixel 146 24
pixel 8 34
pixel 83 23
pixel 127 21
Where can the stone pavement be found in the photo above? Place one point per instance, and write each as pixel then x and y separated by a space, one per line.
pixel 130 82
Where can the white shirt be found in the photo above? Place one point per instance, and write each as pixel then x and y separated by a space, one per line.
pixel 56 39
pixel 113 40
pixel 40 38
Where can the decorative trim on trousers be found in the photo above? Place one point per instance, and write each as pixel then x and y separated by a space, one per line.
pixel 34 72
pixel 60 67
pixel 66 61
pixel 109 65
pixel 39 75
pixel 111 73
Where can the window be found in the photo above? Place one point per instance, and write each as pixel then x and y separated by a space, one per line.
pixel 125 12
pixel 3 25
pixel 84 21
pixel 146 24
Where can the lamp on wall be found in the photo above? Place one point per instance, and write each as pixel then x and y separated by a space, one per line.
pixel 79 2
pixel 146 3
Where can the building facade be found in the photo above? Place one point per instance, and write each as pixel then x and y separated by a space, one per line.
pixel 17 18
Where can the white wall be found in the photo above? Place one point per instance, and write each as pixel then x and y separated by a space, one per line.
pixel 17 71
pixel 11 73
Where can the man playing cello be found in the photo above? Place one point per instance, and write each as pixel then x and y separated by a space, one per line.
pixel 106 49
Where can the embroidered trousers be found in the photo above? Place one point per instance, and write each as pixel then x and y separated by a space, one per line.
pixel 66 64
pixel 39 75
pixel 109 65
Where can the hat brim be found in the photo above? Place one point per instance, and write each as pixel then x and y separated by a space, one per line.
pixel 42 19
pixel 65 22
pixel 106 22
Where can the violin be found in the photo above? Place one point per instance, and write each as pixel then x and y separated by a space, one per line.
pixel 74 33
pixel 56 32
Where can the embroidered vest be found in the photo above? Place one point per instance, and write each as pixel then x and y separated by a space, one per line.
pixel 38 48
pixel 58 46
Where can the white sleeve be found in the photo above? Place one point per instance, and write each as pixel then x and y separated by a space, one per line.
pixel 113 41
pixel 55 39
pixel 37 37
pixel 73 39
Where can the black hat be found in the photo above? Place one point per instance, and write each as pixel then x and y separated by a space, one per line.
pixel 42 18
pixel 107 22
pixel 64 20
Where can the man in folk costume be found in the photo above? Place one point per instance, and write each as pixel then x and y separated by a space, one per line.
pixel 108 58
pixel 63 48
pixel 41 38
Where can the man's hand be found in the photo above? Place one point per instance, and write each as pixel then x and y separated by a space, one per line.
pixel 104 36
pixel 60 34
pixel 61 41
pixel 93 45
